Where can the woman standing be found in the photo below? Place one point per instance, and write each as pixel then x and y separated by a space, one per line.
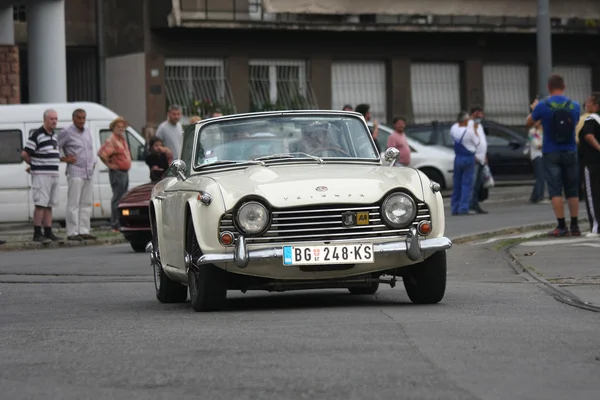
pixel 536 136
pixel 158 159
pixel 115 154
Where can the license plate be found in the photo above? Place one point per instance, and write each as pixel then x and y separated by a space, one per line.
pixel 334 254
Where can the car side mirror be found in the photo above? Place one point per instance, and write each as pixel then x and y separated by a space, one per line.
pixel 391 155
pixel 514 145
pixel 179 168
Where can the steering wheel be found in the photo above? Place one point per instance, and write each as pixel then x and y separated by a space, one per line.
pixel 324 149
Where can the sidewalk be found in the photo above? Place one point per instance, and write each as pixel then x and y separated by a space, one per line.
pixel 19 238
pixel 568 264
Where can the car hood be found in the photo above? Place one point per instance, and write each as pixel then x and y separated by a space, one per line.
pixel 139 195
pixel 291 186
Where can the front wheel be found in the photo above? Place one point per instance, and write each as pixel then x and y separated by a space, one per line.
pixel 425 283
pixel 167 290
pixel 207 283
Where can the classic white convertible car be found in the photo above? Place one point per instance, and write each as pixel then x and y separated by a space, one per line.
pixel 293 200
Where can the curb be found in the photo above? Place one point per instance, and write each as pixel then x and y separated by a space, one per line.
pixel 506 231
pixel 57 245
pixel 562 295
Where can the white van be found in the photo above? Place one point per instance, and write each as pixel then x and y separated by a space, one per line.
pixel 19 120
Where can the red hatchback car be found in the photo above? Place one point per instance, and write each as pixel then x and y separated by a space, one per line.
pixel 134 216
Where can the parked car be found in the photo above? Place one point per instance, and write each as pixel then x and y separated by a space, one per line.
pixel 508 150
pixel 328 214
pixel 437 162
pixel 17 121
pixel 134 216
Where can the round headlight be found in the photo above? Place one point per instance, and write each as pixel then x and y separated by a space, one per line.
pixel 398 210
pixel 252 218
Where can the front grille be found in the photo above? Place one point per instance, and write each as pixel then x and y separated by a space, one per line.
pixel 323 224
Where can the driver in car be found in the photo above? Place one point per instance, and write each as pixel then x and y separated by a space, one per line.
pixel 315 138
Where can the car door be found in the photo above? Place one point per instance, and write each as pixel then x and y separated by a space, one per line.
pixel 139 173
pixel 15 200
pixel 507 155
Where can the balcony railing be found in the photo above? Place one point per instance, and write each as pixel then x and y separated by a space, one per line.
pixel 196 13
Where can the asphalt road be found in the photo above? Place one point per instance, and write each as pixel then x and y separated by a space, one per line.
pixel 83 323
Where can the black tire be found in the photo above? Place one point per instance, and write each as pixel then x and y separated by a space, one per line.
pixel 138 247
pixel 365 290
pixel 167 290
pixel 207 283
pixel 435 176
pixel 425 283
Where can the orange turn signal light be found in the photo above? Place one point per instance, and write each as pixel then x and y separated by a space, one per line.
pixel 424 228
pixel 226 238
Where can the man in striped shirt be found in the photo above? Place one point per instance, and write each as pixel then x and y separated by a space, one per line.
pixel 42 154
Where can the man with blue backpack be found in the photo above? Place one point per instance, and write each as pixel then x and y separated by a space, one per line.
pixel 559 116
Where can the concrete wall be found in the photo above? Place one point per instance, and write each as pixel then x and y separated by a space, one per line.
pixel 126 87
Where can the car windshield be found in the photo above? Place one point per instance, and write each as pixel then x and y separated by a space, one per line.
pixel 278 138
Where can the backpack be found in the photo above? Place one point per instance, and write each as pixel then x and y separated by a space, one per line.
pixel 562 127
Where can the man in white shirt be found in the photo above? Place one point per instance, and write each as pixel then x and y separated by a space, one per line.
pixel 466 143
pixel 480 157
pixel 171 130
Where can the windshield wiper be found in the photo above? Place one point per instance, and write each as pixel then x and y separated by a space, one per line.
pixel 284 156
pixel 231 162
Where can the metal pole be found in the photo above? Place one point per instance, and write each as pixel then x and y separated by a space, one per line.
pixel 544 46
pixel 101 53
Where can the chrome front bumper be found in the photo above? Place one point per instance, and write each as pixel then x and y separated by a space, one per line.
pixel 412 247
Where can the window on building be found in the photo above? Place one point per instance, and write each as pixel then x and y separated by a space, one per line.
pixel 506 93
pixel 360 82
pixel 578 79
pixel 278 85
pixel 198 85
pixel 435 90
pixel 19 14
pixel 11 146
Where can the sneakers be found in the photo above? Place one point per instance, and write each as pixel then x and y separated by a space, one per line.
pixel 592 235
pixel 562 232
pixel 75 238
pixel 87 236
pixel 559 232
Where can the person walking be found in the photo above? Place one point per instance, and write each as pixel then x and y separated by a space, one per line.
pixel 171 130
pixel 75 142
pixel 589 142
pixel 42 154
pixel 536 135
pixel 398 141
pixel 480 158
pixel 466 142
pixel 559 115
pixel 115 154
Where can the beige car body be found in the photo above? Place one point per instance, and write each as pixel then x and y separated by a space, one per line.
pixel 178 198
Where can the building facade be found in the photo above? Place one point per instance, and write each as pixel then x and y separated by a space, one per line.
pixel 250 55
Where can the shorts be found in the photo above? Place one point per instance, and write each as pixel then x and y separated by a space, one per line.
pixel 45 190
pixel 562 173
